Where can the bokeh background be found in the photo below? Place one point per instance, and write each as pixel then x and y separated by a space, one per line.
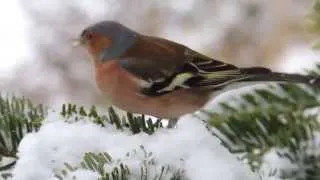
pixel 37 59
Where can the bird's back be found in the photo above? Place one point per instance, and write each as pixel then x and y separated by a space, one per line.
pixel 153 58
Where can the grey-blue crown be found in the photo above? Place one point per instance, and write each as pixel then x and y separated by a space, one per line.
pixel 121 36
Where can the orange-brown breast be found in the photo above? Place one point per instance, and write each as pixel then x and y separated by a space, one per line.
pixel 111 78
pixel 97 44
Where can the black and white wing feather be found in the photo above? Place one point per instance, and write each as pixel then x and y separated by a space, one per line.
pixel 199 71
pixel 202 72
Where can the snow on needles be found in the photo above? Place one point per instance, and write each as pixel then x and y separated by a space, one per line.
pixel 189 147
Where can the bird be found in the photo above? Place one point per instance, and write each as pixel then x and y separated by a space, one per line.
pixel 155 76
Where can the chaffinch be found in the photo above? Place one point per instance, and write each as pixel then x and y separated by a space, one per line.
pixel 155 76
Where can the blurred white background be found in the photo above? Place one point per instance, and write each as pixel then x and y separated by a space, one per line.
pixel 38 61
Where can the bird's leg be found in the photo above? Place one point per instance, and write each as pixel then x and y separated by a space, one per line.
pixel 172 123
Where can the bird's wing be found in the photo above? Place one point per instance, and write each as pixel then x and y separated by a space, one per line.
pixel 146 70
pixel 168 66
pixel 153 59
pixel 200 72
pixel 209 73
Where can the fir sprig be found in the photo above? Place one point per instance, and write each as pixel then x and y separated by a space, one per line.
pixel 273 118
pixel 18 116
pixel 100 162
pixel 136 123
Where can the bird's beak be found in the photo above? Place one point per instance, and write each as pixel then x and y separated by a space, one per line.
pixel 77 42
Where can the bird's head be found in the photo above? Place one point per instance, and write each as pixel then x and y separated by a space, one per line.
pixel 107 40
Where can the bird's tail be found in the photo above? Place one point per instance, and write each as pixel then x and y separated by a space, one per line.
pixel 264 74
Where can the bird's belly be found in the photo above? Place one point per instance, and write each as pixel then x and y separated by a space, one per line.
pixel 168 106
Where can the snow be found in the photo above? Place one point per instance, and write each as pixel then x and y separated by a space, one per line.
pixel 189 147
pixel 272 161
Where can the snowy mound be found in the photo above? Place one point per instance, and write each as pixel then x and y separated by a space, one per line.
pixel 189 148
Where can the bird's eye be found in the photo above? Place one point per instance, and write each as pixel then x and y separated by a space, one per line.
pixel 89 35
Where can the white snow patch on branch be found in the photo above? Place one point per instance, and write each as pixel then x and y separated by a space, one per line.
pixel 43 153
